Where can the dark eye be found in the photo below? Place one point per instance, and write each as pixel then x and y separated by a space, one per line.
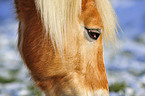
pixel 92 34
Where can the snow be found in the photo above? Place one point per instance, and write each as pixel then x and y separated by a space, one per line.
pixel 127 65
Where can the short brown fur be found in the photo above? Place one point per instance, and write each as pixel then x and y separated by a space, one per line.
pixel 51 74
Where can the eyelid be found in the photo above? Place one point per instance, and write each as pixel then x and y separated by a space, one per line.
pixel 94 30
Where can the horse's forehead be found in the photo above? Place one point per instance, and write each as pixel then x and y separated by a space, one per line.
pixel 87 1
pixel 87 4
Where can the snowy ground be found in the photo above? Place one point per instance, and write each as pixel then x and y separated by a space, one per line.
pixel 125 70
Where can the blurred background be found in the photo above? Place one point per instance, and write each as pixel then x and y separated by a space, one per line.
pixel 125 70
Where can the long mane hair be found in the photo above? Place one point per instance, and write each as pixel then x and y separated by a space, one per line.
pixel 54 45
pixel 60 17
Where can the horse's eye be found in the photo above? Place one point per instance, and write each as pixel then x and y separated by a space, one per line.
pixel 92 34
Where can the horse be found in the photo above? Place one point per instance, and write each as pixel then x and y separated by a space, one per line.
pixel 61 43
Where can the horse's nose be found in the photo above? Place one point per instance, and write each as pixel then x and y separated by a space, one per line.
pixel 92 34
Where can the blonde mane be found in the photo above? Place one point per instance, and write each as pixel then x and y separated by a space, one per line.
pixel 109 20
pixel 75 66
pixel 59 16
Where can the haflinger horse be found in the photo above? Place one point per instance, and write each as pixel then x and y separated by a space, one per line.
pixel 61 42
